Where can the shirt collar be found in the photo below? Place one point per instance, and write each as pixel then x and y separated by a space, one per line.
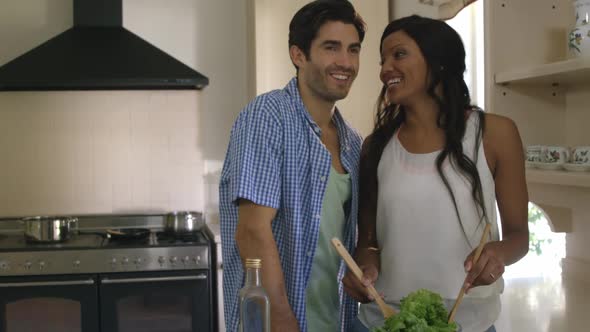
pixel 293 90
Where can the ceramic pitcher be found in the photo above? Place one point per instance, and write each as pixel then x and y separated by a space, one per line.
pixel 579 35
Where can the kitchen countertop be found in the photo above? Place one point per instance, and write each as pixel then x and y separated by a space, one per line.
pixel 212 229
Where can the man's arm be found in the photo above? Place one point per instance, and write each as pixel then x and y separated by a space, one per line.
pixel 255 239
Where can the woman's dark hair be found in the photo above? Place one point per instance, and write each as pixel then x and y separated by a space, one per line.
pixel 444 53
pixel 309 19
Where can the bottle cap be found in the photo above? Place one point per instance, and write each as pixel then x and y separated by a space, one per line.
pixel 254 263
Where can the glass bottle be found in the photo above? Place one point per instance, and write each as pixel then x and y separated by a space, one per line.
pixel 254 302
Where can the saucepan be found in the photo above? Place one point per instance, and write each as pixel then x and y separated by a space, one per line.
pixel 183 222
pixel 49 229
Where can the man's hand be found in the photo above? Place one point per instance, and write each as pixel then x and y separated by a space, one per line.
pixel 283 322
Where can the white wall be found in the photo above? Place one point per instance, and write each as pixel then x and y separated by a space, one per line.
pixel 83 152
pixel 104 152
pixel 52 166
pixel 401 8
pixel 210 36
pixel 274 68
pixel 25 24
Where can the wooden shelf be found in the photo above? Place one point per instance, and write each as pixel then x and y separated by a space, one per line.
pixel 568 72
pixel 563 178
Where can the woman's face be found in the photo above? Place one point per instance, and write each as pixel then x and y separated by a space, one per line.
pixel 403 69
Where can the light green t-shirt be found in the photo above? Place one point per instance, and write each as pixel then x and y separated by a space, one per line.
pixel 322 298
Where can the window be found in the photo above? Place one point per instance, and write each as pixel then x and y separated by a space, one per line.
pixel 469 23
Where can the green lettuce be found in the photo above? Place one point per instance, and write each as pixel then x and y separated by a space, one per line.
pixel 421 311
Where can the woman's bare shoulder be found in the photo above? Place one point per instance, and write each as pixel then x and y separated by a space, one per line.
pixel 501 133
pixel 499 125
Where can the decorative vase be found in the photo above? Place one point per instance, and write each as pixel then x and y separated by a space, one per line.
pixel 579 35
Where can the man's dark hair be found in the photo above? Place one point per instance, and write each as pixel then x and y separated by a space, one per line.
pixel 309 19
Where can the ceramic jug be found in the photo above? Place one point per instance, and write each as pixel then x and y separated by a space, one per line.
pixel 579 35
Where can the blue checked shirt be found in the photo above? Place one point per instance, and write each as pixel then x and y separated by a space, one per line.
pixel 275 158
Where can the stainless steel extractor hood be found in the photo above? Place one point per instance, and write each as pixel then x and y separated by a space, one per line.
pixel 98 53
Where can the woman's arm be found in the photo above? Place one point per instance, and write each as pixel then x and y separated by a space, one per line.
pixel 506 158
pixel 367 250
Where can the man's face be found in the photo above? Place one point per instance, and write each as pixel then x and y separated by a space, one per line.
pixel 333 61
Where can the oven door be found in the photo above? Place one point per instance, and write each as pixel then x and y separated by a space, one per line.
pixel 49 304
pixel 173 301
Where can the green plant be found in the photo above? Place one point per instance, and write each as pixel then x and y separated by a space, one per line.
pixel 421 311
pixel 536 241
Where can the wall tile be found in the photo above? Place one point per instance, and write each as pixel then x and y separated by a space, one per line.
pixel 82 152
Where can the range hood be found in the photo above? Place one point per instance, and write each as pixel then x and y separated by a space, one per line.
pixel 98 53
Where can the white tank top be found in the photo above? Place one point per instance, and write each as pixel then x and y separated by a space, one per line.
pixel 421 240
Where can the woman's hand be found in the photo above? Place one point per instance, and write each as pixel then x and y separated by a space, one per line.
pixel 489 267
pixel 368 262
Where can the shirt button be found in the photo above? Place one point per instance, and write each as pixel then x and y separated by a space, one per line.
pixel 316 129
pixel 309 253
pixel 323 179
pixel 318 216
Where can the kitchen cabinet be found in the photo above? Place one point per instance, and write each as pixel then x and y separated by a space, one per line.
pixel 530 79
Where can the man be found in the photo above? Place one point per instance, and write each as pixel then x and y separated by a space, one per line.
pixel 290 179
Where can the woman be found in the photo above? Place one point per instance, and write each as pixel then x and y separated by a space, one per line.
pixel 432 171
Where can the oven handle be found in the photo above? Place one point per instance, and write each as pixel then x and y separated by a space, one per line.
pixel 48 283
pixel 134 280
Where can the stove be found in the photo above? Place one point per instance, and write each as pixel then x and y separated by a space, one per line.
pixel 96 253
pixel 95 283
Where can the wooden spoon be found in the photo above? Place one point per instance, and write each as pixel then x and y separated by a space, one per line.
pixel 387 310
pixel 475 258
